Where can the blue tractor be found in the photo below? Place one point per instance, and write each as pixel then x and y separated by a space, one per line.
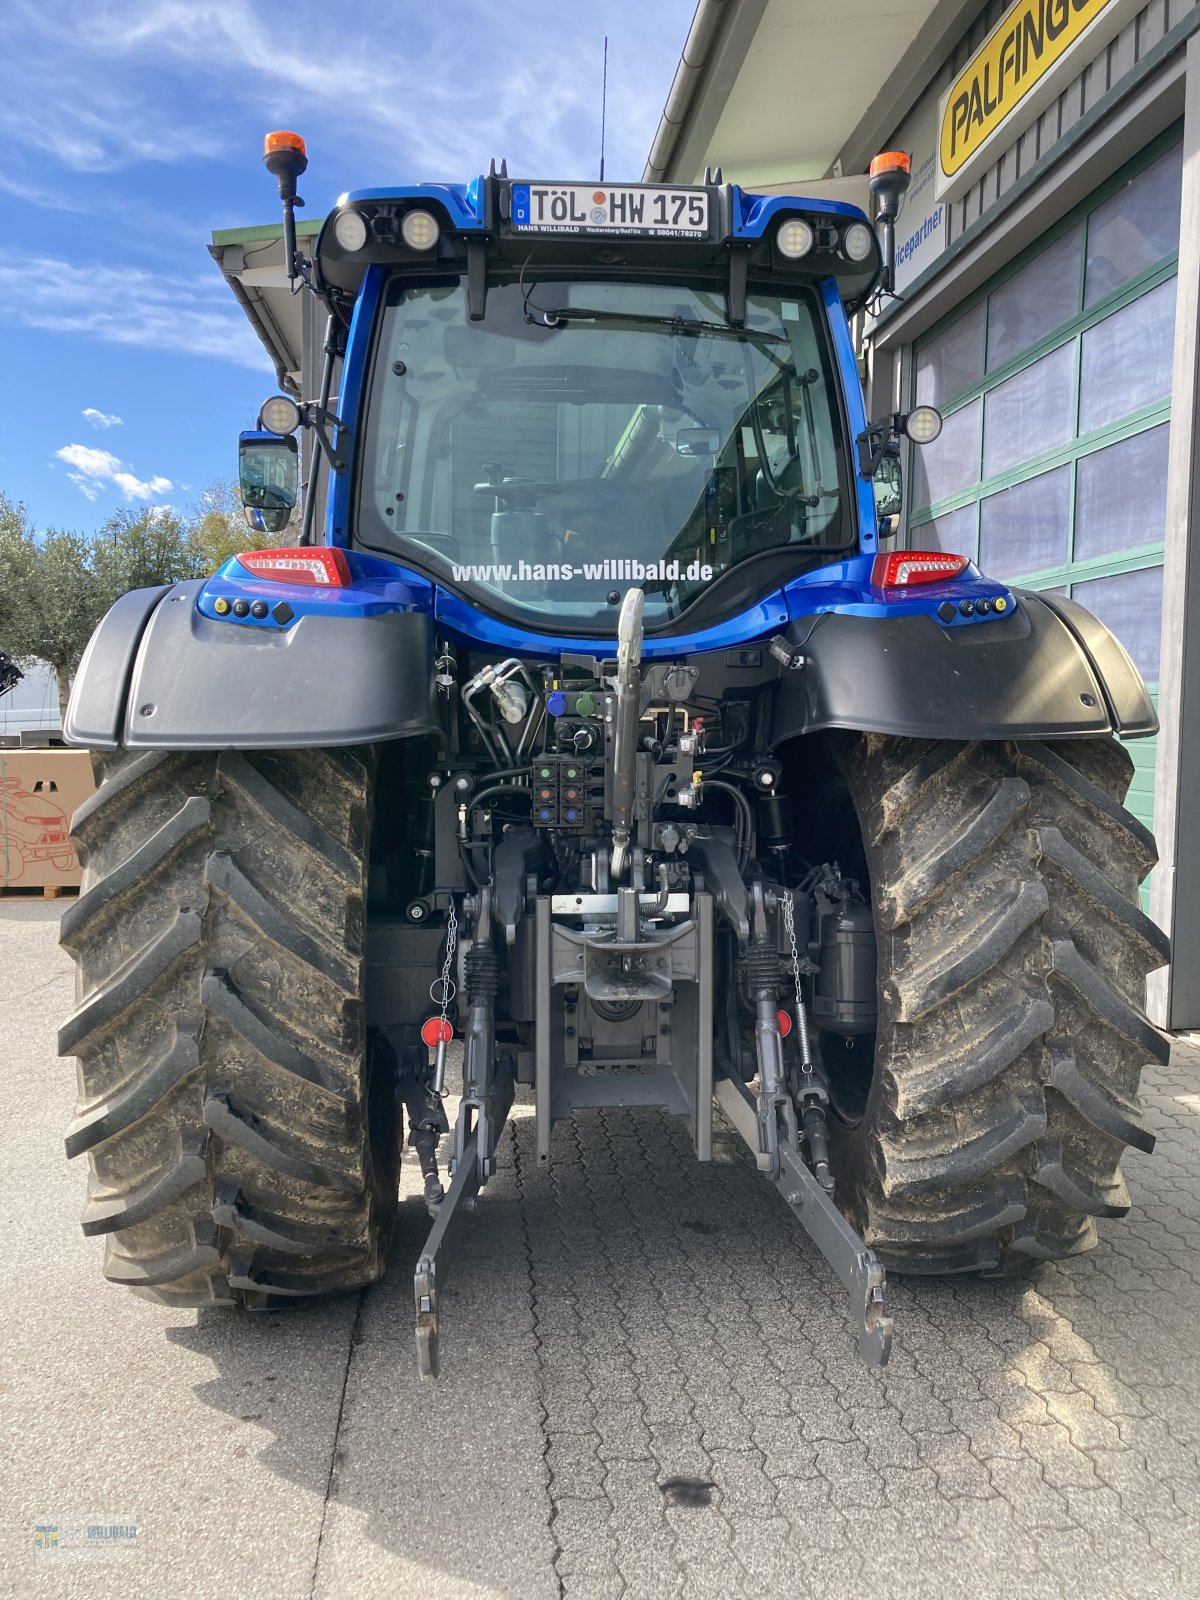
pixel 599 729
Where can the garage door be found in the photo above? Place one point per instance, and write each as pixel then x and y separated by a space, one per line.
pixel 1055 382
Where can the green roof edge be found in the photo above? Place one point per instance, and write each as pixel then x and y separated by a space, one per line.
pixel 306 227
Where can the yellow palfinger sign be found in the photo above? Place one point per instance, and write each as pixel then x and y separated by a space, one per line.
pixel 1005 81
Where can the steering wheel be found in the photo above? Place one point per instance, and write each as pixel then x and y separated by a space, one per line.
pixel 518 493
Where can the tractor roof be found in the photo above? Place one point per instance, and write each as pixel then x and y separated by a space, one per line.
pixel 290 326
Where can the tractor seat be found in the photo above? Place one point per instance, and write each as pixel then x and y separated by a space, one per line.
pixel 597 517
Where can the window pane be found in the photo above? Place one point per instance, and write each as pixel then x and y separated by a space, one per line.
pixel 952 362
pixel 1121 495
pixel 1029 412
pixel 597 425
pixel 1024 529
pixel 1126 362
pixel 1041 297
pixel 1134 229
pixel 1131 605
pixel 955 531
pixel 951 462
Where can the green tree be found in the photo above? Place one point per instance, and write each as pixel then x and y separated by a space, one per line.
pixel 56 586
pixel 17 557
pixel 66 604
pixel 136 549
pixel 218 528
pixel 49 598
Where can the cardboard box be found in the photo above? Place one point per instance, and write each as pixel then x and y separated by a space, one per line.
pixel 39 791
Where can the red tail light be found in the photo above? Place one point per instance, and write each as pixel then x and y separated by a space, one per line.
pixel 322 563
pixel 902 568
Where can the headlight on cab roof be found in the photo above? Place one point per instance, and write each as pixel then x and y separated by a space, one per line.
pixel 857 241
pixel 795 238
pixel 350 229
pixel 419 230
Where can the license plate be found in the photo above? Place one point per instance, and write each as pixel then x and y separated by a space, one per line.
pixel 601 208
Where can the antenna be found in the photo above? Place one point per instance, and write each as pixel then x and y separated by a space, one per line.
pixel 603 106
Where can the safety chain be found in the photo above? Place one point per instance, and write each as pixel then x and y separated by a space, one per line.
pixel 789 924
pixel 446 983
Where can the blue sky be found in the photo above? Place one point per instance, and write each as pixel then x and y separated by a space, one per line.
pixel 132 128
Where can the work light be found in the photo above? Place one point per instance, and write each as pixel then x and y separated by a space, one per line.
pixel 923 424
pixel 795 238
pixel 350 230
pixel 857 241
pixel 280 414
pixel 419 230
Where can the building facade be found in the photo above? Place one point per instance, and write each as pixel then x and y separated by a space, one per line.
pixel 1048 280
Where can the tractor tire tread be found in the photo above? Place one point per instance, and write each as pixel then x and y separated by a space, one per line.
pixel 242 1140
pixel 1012 965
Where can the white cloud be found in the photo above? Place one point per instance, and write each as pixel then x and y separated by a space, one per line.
pixel 97 469
pixel 128 306
pixel 33 194
pixel 74 94
pixel 104 85
pixel 100 419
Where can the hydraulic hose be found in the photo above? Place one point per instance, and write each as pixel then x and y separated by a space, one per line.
pixel 746 830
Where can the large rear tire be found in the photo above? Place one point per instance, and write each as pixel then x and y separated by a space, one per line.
pixel 1012 965
pixel 243 1142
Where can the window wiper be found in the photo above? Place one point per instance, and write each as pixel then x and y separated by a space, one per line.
pixel 640 319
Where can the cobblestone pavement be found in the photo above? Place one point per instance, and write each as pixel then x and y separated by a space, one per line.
pixel 1026 1438
pixel 650 1387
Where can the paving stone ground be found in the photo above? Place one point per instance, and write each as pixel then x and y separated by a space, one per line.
pixel 650 1388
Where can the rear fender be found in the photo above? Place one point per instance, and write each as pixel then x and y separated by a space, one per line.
pixel 95 714
pixel 1050 670
pixel 159 674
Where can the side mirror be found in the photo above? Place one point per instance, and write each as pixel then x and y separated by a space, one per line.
pixel 267 521
pixel 888 486
pixel 698 442
pixel 268 477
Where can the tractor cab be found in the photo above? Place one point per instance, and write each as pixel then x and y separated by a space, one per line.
pixel 551 391
pixel 586 433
